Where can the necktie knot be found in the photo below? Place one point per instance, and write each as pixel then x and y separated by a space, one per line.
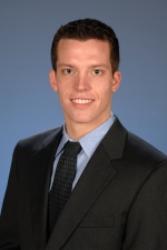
pixel 72 148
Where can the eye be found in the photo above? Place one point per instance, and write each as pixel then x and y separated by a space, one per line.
pixel 97 72
pixel 67 71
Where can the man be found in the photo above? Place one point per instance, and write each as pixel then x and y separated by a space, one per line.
pixel 118 189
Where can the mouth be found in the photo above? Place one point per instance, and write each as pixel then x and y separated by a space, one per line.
pixel 81 100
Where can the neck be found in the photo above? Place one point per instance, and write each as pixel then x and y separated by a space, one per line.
pixel 76 131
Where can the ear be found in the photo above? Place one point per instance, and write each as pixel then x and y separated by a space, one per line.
pixel 116 81
pixel 53 80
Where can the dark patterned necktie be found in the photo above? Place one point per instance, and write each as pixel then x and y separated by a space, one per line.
pixel 62 184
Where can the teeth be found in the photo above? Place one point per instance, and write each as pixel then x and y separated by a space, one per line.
pixel 81 101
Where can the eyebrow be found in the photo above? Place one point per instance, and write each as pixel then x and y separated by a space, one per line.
pixel 65 65
pixel 92 66
pixel 99 65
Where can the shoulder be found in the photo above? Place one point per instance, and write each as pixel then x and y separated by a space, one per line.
pixel 139 149
pixel 125 145
pixel 140 162
pixel 133 151
pixel 39 141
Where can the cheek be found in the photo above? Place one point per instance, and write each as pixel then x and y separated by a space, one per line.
pixel 64 95
pixel 105 90
pixel 61 88
pixel 65 85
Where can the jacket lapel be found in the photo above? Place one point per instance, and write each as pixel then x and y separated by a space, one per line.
pixel 43 163
pixel 97 175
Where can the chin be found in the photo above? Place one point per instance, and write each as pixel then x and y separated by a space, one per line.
pixel 87 120
pixel 79 119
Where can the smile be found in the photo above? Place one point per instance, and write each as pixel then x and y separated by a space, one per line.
pixel 81 101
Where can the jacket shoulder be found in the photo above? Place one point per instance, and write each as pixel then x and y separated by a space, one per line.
pixel 141 150
pixel 40 140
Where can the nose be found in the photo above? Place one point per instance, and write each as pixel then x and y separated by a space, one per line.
pixel 82 82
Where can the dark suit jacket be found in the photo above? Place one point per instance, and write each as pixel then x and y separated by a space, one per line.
pixel 119 203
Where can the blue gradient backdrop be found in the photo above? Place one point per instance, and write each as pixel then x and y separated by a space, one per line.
pixel 28 105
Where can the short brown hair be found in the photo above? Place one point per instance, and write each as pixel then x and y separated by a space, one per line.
pixel 84 29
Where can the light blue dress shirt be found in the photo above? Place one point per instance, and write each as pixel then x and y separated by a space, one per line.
pixel 89 143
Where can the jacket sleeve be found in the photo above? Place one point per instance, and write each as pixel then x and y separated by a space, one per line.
pixel 146 227
pixel 9 239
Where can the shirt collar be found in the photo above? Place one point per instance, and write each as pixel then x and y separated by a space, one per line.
pixel 90 141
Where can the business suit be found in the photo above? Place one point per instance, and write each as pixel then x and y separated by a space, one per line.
pixel 120 201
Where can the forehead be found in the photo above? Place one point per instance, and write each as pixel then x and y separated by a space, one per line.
pixel 91 48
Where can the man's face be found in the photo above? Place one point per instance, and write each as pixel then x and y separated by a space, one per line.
pixel 84 81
